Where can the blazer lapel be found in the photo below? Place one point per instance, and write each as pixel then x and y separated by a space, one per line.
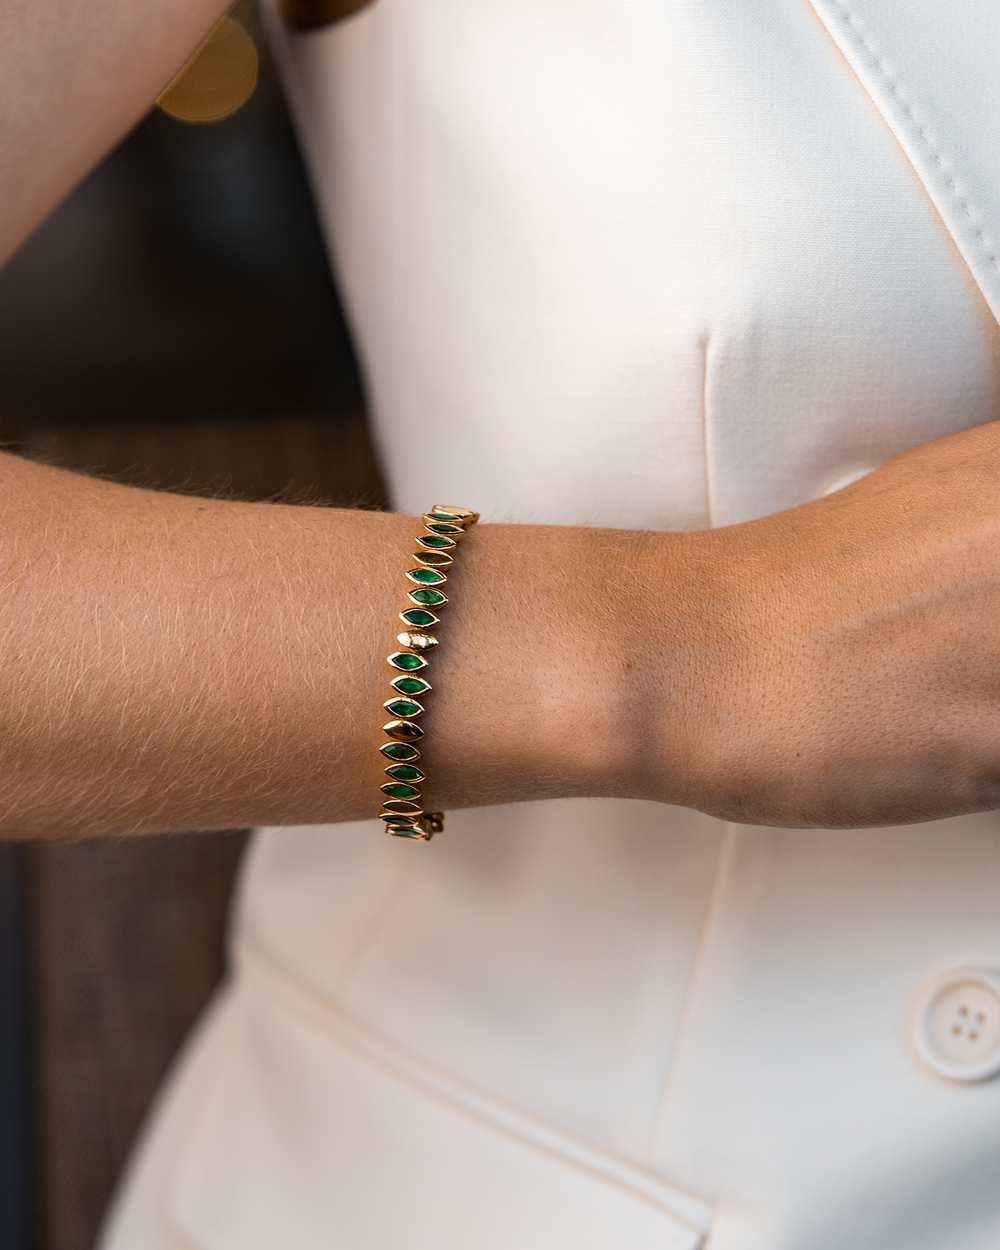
pixel 932 69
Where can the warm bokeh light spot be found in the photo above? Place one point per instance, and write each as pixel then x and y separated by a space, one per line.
pixel 218 79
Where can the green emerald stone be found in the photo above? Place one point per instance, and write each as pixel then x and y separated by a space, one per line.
pixel 436 542
pixel 405 772
pixel 396 790
pixel 393 821
pixel 429 598
pixel 418 618
pixel 445 527
pixel 399 751
pixel 408 663
pixel 446 516
pixel 426 577
pixel 403 707
pixel 410 685
pixel 407 831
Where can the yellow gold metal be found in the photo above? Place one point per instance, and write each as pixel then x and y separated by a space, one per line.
pixel 418 833
pixel 406 618
pixel 391 706
pixel 388 749
pixel 412 781
pixel 407 679
pixel 388 788
pixel 419 598
pixel 465 515
pixel 433 559
pixel 399 807
pixel 446 529
pixel 405 817
pixel 418 642
pixel 403 730
pixel 433 542
pixel 414 575
pixel 422 826
pixel 403 659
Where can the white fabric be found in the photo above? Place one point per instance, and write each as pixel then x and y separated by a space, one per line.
pixel 931 70
pixel 658 263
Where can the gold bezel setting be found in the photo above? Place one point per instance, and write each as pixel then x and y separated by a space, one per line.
pixel 395 707
pixel 402 809
pixel 434 559
pixel 394 809
pixel 403 660
pixel 416 641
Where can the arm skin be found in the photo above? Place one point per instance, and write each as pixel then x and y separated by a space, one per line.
pixel 169 662
pixel 74 79
pixel 179 663
pixel 176 663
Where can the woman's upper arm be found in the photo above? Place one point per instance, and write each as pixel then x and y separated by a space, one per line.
pixel 75 76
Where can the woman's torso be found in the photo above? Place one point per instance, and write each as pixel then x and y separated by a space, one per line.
pixel 635 264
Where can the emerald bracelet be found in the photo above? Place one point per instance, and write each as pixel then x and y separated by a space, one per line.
pixel 402 809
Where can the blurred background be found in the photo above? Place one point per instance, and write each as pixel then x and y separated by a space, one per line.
pixel 174 325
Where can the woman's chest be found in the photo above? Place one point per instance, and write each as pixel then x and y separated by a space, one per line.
pixel 632 263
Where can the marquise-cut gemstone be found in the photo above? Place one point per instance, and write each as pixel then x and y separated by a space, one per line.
pixel 419 618
pixel 436 542
pixel 403 730
pixel 405 772
pixel 396 790
pixel 407 831
pixel 408 663
pixel 410 685
pixel 465 515
pixel 434 559
pixel 426 577
pixel 446 528
pixel 399 807
pixel 403 707
pixel 399 751
pixel 427 598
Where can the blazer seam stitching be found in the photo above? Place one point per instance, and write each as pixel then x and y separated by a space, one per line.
pixel 883 70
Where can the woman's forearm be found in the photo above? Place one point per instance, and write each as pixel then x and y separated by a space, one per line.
pixel 169 662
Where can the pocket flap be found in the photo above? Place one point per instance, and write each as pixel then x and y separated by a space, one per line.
pixel 308 1140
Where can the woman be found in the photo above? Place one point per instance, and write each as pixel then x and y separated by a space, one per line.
pixel 656 285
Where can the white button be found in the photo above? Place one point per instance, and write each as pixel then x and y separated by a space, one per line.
pixel 958 1025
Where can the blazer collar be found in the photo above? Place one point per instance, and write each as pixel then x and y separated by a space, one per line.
pixel 932 69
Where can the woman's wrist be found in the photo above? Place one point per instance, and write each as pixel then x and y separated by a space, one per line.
pixel 555 674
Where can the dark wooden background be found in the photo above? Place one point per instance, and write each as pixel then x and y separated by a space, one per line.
pixel 175 326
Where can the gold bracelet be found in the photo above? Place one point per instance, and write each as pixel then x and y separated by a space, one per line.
pixel 402 809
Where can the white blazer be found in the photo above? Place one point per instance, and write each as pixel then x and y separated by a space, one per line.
pixel 639 263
